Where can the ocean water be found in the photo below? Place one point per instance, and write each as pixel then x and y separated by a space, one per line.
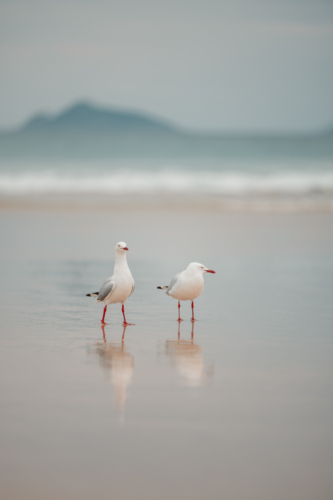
pixel 96 179
pixel 237 406
pixel 224 168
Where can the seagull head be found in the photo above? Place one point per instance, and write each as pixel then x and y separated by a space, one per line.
pixel 121 247
pixel 195 267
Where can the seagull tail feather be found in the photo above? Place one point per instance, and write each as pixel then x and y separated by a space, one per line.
pixel 162 287
pixel 92 294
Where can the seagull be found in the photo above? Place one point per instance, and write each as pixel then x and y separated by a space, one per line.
pixel 187 285
pixel 120 286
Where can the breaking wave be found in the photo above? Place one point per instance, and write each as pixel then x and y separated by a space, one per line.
pixel 168 182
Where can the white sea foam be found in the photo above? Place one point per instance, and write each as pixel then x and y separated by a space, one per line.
pixel 168 182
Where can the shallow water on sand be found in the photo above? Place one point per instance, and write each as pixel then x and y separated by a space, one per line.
pixel 236 406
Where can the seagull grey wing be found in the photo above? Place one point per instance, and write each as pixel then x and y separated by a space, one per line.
pixel 133 288
pixel 106 289
pixel 172 283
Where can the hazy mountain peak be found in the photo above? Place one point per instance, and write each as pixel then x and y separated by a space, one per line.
pixel 85 116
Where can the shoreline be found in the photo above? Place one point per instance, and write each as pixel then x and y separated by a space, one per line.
pixel 316 203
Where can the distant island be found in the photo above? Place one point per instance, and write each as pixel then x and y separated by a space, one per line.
pixel 84 117
pixel 87 131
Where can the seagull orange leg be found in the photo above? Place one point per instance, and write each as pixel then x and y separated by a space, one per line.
pixel 102 320
pixel 179 318
pixel 125 322
pixel 193 318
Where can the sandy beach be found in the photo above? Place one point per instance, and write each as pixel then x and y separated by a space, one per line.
pixel 199 203
pixel 241 409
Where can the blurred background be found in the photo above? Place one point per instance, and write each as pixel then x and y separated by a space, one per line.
pixel 228 100
pixel 194 130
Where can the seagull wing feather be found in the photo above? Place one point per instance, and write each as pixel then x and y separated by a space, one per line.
pixel 106 289
pixel 173 283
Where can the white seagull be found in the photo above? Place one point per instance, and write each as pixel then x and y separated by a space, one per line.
pixel 187 285
pixel 120 286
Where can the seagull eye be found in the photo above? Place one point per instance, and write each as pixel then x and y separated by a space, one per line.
pixel 118 245
pixel 201 267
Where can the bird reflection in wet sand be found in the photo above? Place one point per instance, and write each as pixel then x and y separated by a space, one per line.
pixel 186 356
pixel 119 364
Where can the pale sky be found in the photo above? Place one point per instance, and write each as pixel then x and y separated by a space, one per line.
pixel 239 65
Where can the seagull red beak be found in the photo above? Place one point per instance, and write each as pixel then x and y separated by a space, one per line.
pixel 125 248
pixel 210 271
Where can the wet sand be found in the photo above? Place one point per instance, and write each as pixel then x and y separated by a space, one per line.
pixel 312 202
pixel 240 407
